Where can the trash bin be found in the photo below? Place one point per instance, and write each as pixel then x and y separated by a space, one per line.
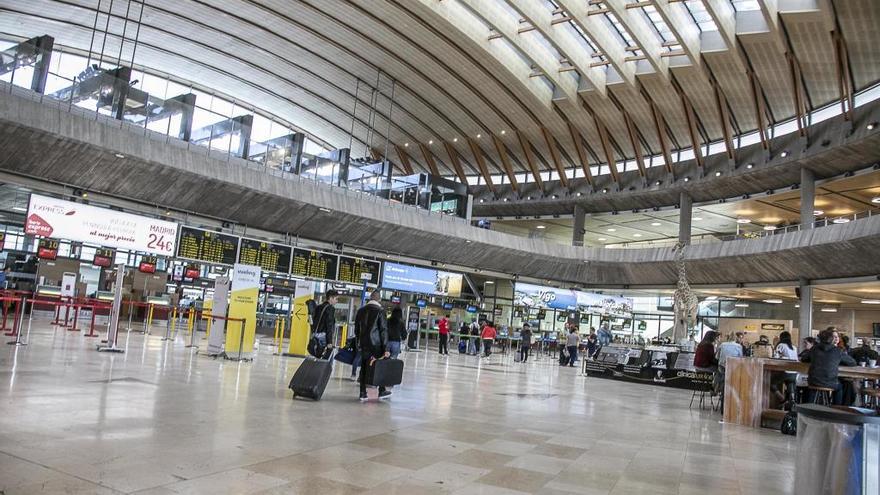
pixel 838 451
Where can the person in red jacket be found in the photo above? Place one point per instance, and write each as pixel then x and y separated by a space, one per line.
pixel 443 325
pixel 705 355
pixel 488 336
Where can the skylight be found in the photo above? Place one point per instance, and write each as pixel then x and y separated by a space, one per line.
pixel 744 5
pixel 701 15
pixel 660 26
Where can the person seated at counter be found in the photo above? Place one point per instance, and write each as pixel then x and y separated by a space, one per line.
pixel 762 348
pixel 785 349
pixel 732 348
pixel 825 359
pixel 809 342
pixel 705 355
pixel 864 354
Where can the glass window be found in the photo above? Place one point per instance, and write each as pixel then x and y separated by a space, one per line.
pixel 700 15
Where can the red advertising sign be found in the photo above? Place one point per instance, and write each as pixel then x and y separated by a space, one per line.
pixel 47 249
pixel 104 257
pixel 148 264
pixel 192 272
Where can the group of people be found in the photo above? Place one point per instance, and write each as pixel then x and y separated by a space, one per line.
pixel 825 353
pixel 478 337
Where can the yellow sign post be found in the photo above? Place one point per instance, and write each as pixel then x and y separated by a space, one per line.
pixel 299 319
pixel 243 305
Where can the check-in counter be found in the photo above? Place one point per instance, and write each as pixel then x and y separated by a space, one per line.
pixel 747 387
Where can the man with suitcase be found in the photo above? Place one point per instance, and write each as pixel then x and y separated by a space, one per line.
pixel 372 340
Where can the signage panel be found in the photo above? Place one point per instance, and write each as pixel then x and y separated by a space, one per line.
pixel 50 217
pixel 204 245
pixel 104 257
pixel 396 276
pixel 314 264
pixel 538 296
pixel 148 264
pixel 47 249
pixel 357 270
pixel 268 256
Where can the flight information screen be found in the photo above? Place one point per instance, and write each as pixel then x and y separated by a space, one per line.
pixel 204 245
pixel 314 264
pixel 351 269
pixel 268 256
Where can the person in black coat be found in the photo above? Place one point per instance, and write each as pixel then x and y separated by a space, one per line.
pixel 324 325
pixel 396 331
pixel 372 340
pixel 825 358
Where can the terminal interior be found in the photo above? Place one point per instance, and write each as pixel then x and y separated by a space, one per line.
pixel 602 222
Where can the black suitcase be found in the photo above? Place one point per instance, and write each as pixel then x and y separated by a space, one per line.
pixel 311 378
pixel 386 373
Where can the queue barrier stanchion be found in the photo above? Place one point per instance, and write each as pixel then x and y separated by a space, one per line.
pixel 148 321
pixel 241 338
pixel 193 317
pixel 92 324
pixel 209 318
pixel 169 327
pixel 16 326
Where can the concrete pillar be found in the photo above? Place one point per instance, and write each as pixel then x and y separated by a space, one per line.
pixel 297 146
pixel 244 123
pixel 808 198
pixel 685 213
pixel 43 48
pixel 805 319
pixel 577 235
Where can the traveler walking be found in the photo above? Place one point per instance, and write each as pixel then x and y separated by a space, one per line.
pixel 324 325
pixel 443 326
pixel 571 343
pixel 372 334
pixel 592 344
pixel 396 331
pixel 476 331
pixel 525 343
pixel 488 336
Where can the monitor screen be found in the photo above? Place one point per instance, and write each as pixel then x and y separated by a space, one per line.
pixel 876 329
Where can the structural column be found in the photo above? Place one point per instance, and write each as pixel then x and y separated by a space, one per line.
pixel 808 198
pixel 805 319
pixel 685 213
pixel 577 235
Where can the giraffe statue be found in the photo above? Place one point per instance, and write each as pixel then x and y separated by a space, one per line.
pixel 685 300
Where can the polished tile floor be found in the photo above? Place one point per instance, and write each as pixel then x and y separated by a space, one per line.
pixel 161 419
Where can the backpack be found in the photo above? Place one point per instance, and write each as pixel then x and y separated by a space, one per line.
pixel 789 423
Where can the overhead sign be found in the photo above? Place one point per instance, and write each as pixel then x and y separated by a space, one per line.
pixel 104 257
pixel 314 264
pixel 47 249
pixel 357 270
pixel 148 264
pixel 268 256
pixel 207 246
pixel 396 276
pixel 50 217
pixel 539 296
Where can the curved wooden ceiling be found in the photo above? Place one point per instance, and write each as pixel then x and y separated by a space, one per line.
pixel 497 86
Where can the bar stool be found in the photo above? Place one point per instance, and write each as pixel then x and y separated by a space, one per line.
pixel 703 388
pixel 822 395
pixel 871 397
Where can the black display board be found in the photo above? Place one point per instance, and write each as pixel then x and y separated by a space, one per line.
pixel 268 256
pixel 207 246
pixel 104 257
pixel 350 270
pixel 314 264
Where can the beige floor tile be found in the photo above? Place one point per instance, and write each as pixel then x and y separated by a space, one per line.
pixel 366 474
pixel 507 447
pixel 482 489
pixel 516 479
pixel 234 481
pixel 312 486
pixel 539 463
pixel 449 475
pixel 558 451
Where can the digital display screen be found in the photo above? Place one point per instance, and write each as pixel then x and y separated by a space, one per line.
pixel 396 276
pixel 447 305
pixel 47 249
pixel 104 257
pixel 268 256
pixel 314 264
pixel 395 299
pixel 351 270
pixel 148 264
pixel 421 303
pixel 191 271
pixel 207 246
pixel 471 309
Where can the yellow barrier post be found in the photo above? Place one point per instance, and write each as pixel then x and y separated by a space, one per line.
pixel 207 316
pixel 190 321
pixel 275 337
pixel 344 335
pixel 281 337
pixel 173 319
pixel 150 317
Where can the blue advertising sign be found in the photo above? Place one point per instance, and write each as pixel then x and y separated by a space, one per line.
pixel 420 280
pixel 471 309
pixel 421 303
pixel 447 305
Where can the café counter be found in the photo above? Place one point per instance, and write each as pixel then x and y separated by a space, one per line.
pixel 747 387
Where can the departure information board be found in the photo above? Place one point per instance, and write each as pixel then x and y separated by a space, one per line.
pixel 314 264
pixel 268 256
pixel 207 246
pixel 104 257
pixel 350 270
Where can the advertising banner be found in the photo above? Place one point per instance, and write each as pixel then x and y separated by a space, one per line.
pixel 50 217
pixel 539 296
pixel 299 318
pixel 217 307
pixel 243 305
pixel 420 280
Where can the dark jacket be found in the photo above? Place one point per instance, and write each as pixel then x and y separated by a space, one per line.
pixel 824 360
pixel 396 330
pixel 705 356
pixel 371 329
pixel 526 336
pixel 863 354
pixel 324 321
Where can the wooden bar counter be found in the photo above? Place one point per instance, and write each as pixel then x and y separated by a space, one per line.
pixel 747 386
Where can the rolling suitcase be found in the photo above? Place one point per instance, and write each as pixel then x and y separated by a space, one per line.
pixel 462 347
pixel 386 373
pixel 311 378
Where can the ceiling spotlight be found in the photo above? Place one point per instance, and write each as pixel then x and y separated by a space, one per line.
pixel 479 135
pixel 612 230
pixel 769 227
pixel 797 305
pixel 697 219
pixel 870 301
pixel 637 235
pixel 743 220
pixel 876 200
pixel 454 140
pixel 406 145
pixel 602 239
pixel 750 165
pixel 741 305
pixel 784 154
pixel 687 179
pixel 840 220
pixel 604 189
pixel 579 194
pixel 540 226
pixel 818 213
pixel 118 155
pixel 430 141
pixel 871 126
pixel 773 301
pixel 503 132
pixel 325 210
pixel 658 183
pixel 467 241
pixel 828 310
pixel 529 198
pixel 506 200
pixel 717 174
pixel 554 196
pixel 482 200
